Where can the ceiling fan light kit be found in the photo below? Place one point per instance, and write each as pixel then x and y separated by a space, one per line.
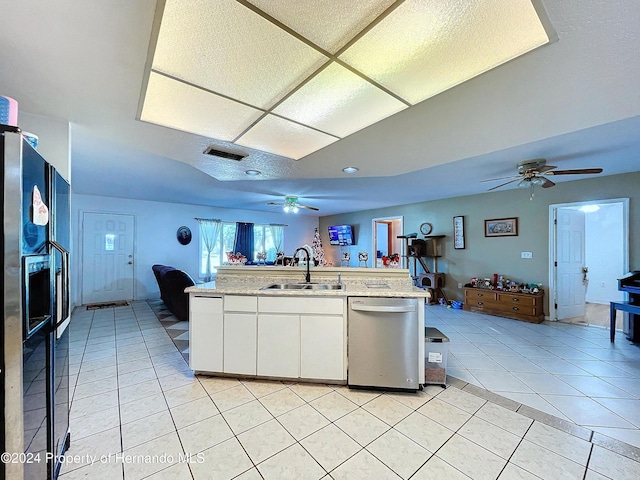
pixel 533 173
pixel 291 205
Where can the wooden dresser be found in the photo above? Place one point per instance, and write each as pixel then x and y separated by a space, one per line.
pixel 520 306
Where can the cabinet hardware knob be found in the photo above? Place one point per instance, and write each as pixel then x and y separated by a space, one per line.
pixel 516 299
pixel 516 308
pixel 480 303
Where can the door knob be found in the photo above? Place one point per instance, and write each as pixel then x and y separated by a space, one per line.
pixel 130 262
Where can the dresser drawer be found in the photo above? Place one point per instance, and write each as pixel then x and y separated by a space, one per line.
pixel 516 300
pixel 515 309
pixel 483 303
pixel 479 295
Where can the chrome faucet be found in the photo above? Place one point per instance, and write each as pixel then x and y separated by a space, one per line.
pixel 307 277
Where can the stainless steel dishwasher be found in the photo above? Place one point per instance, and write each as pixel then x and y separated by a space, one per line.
pixel 383 343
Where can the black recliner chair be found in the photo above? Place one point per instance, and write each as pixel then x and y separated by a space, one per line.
pixel 172 283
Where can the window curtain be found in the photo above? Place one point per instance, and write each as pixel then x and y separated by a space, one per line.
pixel 209 233
pixel 244 240
pixel 277 235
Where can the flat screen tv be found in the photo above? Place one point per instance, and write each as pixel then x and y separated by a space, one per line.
pixel 340 235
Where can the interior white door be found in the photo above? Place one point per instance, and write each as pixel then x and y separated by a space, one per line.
pixel 107 257
pixel 570 258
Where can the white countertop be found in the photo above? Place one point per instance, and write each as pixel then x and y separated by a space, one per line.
pixel 358 282
pixel 359 290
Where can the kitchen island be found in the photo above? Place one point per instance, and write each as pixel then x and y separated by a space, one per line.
pixel 240 327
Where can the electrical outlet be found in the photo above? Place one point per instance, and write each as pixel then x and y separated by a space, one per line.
pixel 526 254
pixel 459 285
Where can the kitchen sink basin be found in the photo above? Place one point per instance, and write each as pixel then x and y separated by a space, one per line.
pixel 303 286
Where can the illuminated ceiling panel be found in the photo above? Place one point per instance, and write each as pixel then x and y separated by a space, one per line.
pixel 339 102
pixel 219 66
pixel 175 105
pixel 224 47
pixel 423 48
pixel 332 23
pixel 282 137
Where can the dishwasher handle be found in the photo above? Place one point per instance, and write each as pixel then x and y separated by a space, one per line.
pixel 383 308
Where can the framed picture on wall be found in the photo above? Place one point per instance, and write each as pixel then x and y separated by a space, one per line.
pixel 458 232
pixel 501 227
pixel 184 235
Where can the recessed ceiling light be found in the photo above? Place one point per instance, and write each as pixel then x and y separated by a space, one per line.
pixel 350 169
pixel 253 173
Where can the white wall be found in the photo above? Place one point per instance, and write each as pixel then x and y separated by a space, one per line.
pixel 155 240
pixel 54 140
pixel 604 257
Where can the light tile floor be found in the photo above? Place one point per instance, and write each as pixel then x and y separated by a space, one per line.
pixel 139 412
pixel 572 372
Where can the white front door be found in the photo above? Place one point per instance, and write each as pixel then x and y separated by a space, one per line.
pixel 570 258
pixel 107 257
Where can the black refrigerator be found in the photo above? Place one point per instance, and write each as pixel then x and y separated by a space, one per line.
pixel 35 340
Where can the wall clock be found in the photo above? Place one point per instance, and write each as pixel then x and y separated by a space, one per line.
pixel 426 228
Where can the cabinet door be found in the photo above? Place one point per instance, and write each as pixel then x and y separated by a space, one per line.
pixel 322 347
pixel 240 330
pixel 205 334
pixel 279 345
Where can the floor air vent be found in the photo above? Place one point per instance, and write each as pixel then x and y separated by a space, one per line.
pixel 222 154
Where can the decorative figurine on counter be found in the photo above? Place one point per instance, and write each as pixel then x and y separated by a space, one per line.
pixel 362 258
pixel 261 257
pixel 346 257
pixel 236 258
pixel 391 261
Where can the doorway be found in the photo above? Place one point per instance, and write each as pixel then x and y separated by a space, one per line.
pixel 385 241
pixel 107 257
pixel 589 251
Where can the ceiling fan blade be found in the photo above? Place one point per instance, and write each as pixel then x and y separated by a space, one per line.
pixel 500 178
pixel 578 171
pixel 308 207
pixel 503 184
pixel 546 168
pixel 547 183
pixel 274 204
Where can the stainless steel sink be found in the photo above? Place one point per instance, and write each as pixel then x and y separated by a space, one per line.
pixel 303 286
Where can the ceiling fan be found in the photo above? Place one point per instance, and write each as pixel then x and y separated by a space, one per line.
pixel 291 205
pixel 534 172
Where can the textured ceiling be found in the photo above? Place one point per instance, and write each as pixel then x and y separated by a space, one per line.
pixel 290 83
pixel 574 102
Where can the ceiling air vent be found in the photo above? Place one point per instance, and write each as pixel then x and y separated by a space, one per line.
pixel 222 154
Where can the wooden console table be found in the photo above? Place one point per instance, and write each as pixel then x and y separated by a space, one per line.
pixel 528 307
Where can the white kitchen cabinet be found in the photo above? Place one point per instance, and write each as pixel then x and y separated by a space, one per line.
pixel 240 334
pixel 322 347
pixel 205 333
pixel 278 345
